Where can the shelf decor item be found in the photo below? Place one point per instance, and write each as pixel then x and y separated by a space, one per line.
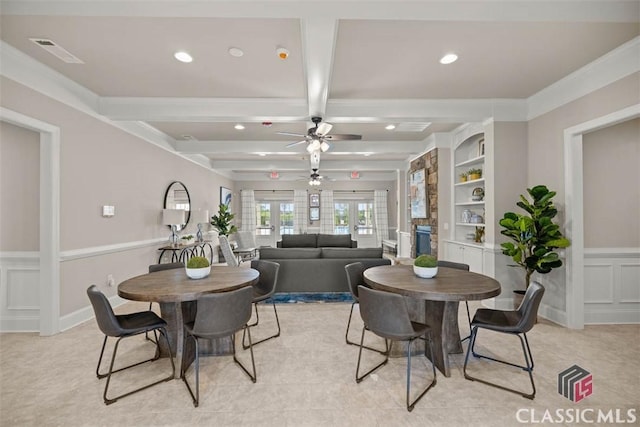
pixel 198 267
pixel 425 266
pixel 474 174
pixel 463 177
pixel 477 195
pixel 535 236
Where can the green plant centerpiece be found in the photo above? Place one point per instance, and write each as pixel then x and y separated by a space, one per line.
pixel 222 221
pixel 535 236
pixel 198 267
pixel 425 266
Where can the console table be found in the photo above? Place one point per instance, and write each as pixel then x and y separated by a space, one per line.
pixel 182 253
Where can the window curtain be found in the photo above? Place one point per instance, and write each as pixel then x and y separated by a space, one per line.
pixel 326 212
pixel 300 211
pixel 248 211
pixel 380 215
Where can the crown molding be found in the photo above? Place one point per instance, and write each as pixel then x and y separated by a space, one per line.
pixel 612 66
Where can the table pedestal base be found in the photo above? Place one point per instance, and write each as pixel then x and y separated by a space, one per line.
pixel 442 316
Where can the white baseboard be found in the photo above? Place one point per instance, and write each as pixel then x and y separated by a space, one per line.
pixel 610 317
pixel 20 324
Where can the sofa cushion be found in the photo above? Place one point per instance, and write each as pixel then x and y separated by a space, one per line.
pixel 289 253
pixel 299 241
pixel 352 253
pixel 334 240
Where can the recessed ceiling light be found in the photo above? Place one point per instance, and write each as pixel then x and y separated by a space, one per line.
pixel 239 126
pixel 390 127
pixel 449 58
pixel 183 56
pixel 236 52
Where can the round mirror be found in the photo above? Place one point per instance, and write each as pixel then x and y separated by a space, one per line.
pixel 177 197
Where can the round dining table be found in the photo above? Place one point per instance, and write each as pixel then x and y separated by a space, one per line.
pixel 177 294
pixel 442 295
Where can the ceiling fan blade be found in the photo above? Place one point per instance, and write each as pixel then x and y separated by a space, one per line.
pixel 291 134
pixel 295 143
pixel 343 137
pixel 323 129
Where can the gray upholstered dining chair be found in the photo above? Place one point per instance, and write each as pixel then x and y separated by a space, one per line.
pixel 386 315
pixel 518 323
pixel 355 278
pixel 123 326
pixel 220 315
pixel 161 267
pixel 227 252
pixel 263 291
pixel 465 267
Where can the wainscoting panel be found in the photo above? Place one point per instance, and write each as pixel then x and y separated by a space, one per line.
pixel 19 292
pixel 612 285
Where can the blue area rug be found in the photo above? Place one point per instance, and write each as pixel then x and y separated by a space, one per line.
pixel 300 297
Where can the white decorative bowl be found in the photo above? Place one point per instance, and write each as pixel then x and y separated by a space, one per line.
pixel 425 272
pixel 198 273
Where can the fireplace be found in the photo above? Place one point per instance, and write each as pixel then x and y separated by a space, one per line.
pixel 423 240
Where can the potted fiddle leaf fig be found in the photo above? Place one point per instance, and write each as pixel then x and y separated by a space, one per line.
pixel 535 237
pixel 222 221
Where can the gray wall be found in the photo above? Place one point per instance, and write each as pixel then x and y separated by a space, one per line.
pixel 19 188
pixel 611 159
pixel 103 165
pixel 546 152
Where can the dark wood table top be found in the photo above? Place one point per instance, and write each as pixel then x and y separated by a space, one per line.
pixel 175 286
pixel 449 284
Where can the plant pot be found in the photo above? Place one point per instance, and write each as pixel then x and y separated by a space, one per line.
pixel 198 273
pixel 463 179
pixel 474 176
pixel 425 272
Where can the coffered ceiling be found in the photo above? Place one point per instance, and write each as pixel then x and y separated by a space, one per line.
pixel 360 65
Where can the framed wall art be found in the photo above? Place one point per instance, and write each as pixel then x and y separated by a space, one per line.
pixel 418 194
pixel 314 214
pixel 225 196
pixel 314 200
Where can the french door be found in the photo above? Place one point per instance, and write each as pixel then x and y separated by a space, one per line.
pixel 355 217
pixel 274 218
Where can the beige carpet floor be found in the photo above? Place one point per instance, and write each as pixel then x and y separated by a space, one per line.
pixel 306 378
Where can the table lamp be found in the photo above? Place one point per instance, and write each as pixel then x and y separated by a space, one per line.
pixel 172 218
pixel 201 216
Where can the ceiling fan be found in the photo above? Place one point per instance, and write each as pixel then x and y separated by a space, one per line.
pixel 315 178
pixel 318 136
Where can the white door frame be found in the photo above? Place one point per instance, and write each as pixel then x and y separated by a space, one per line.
pixel 574 202
pixel 49 290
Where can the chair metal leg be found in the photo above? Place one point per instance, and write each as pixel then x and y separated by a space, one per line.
pixel 528 357
pixel 183 373
pixel 109 401
pixel 277 334
pixel 346 335
pixel 469 319
pixel 384 362
pixel 146 334
pixel 255 305
pixel 411 405
pixel 250 347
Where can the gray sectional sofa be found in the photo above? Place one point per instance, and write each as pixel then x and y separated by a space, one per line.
pixel 317 240
pixel 318 269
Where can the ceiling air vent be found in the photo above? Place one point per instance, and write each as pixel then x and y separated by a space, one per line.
pixel 412 127
pixel 58 51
